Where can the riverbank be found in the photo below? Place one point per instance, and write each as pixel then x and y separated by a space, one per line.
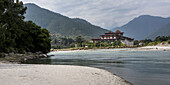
pixel 94 48
pixel 144 48
pixel 18 58
pixel 151 48
pixel 56 75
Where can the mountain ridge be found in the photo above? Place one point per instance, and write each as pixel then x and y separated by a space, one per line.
pixel 163 31
pixel 143 26
pixel 60 24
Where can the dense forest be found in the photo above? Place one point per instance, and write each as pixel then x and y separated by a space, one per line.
pixel 17 35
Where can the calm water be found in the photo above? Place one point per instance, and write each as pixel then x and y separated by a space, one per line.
pixel 138 67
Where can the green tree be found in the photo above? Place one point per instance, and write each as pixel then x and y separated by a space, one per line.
pixel 160 39
pixel 168 41
pixel 16 34
pixel 79 40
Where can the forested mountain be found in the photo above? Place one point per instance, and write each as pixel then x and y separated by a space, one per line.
pixel 163 31
pixel 59 24
pixel 143 26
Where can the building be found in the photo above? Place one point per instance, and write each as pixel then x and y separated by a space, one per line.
pixel 115 36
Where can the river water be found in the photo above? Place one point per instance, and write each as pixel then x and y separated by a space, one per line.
pixel 137 67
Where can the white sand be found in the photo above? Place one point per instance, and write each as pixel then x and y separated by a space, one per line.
pixel 56 75
pixel 150 48
pixel 157 47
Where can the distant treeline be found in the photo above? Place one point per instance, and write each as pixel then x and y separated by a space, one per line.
pixel 17 35
pixel 79 41
pixel 63 42
pixel 157 40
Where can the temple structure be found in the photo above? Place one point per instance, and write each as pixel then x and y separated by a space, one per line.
pixel 115 36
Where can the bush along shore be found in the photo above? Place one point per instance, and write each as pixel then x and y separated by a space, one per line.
pixel 20 58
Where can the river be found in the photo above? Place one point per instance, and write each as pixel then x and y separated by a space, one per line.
pixel 137 67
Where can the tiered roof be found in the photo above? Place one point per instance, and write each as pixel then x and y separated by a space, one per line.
pixel 114 33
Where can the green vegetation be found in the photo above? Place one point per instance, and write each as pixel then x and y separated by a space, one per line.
pixel 80 42
pixel 158 40
pixel 168 41
pixel 19 36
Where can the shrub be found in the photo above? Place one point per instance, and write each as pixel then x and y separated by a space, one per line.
pixel 168 41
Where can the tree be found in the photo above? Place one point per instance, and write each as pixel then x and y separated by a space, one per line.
pixel 160 39
pixel 116 43
pixel 16 34
pixel 168 41
pixel 2 37
pixel 79 40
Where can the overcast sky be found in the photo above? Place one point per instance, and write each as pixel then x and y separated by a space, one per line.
pixel 106 13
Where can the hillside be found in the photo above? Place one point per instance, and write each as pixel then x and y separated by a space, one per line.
pixel 163 31
pixel 59 24
pixel 143 26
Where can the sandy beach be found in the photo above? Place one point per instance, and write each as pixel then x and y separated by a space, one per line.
pixel 154 48
pixel 16 74
pixel 149 48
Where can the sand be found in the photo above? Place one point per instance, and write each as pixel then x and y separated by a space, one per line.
pixel 149 48
pixel 154 48
pixel 15 74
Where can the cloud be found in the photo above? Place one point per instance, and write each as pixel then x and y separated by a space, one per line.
pixel 106 13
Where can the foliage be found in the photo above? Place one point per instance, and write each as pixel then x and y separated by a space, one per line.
pixel 152 43
pixel 168 41
pixel 159 39
pixel 162 38
pixel 16 34
pixel 79 39
pixel 146 41
pixel 116 43
pixel 136 42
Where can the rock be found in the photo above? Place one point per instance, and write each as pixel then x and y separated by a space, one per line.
pixel 25 59
pixel 29 53
pixel 2 55
pixel 42 56
pixel 39 52
pixel 12 54
pixel 6 54
pixel 45 56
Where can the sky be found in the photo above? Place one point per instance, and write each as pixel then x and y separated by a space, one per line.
pixel 106 13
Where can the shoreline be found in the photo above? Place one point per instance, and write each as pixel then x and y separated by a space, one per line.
pixel 57 75
pixel 144 48
pixel 83 48
pixel 153 48
pixel 19 58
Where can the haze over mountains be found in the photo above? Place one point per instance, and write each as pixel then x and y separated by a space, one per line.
pixel 164 31
pixel 59 24
pixel 146 26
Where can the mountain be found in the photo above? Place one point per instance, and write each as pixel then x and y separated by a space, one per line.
pixel 143 26
pixel 81 20
pixel 59 24
pixel 163 31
